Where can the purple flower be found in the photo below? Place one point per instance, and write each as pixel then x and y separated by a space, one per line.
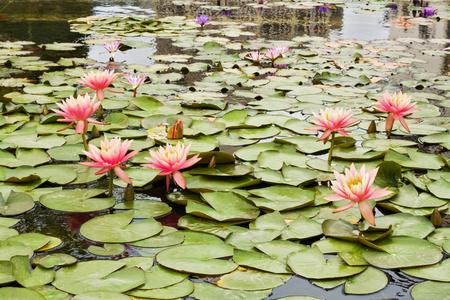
pixel 202 20
pixel 392 7
pixel 323 9
pixel 225 13
pixel 427 11
pixel 262 1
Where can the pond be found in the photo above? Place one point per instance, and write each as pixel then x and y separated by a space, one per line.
pixel 256 219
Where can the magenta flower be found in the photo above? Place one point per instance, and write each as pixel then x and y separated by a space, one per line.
pixel 135 81
pixel 98 81
pixel 170 160
pixel 427 11
pixel 282 50
pixel 272 54
pixel 110 156
pixel 397 105
pixel 357 187
pixel 255 56
pixel 323 9
pixel 78 110
pixel 112 48
pixel 332 120
pixel 202 20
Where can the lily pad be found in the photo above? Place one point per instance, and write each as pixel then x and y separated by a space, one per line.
pixel 77 200
pixel 251 280
pixel 177 290
pixel 15 204
pixel 14 293
pixel 145 208
pixel 431 290
pixel 51 260
pixel 21 271
pixel 437 272
pixel 207 291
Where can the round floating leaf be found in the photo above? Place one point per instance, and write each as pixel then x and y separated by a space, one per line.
pixel 245 239
pixel 163 239
pixel 440 188
pixel 53 243
pixel 116 228
pixel 403 252
pixel 437 272
pixel 177 290
pixel 8 222
pixel 85 174
pixel 311 263
pixel 16 203
pixel 302 228
pixel 31 239
pixel 6 233
pixel 107 249
pixel 51 260
pixel 21 272
pixel 223 170
pixel 403 225
pixel 409 197
pixel 282 197
pixel 139 176
pixel 272 220
pixel 198 258
pixel 440 236
pixel 260 261
pixel 12 248
pixel 224 206
pixel 159 277
pixel 431 290
pixel 203 183
pixel 98 275
pixel 56 174
pixel 145 208
pixel 77 200
pixel 6 275
pixel 251 280
pixel 250 153
pixel 50 292
pixel 14 293
pixel 389 173
pixel 101 295
pixel 207 291
pixel 220 229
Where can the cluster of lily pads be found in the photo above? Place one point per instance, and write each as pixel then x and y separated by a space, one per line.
pixel 253 219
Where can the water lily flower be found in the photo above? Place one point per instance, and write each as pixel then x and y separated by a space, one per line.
pixel 176 131
pixel 225 13
pixel 357 187
pixel 427 11
pixel 323 9
pixel 202 20
pixel 135 81
pixel 170 160
pixel 272 54
pixel 255 56
pixel 78 110
pixel 98 81
pixel 109 157
pixel 112 48
pixel 332 121
pixel 397 105
pixel 282 50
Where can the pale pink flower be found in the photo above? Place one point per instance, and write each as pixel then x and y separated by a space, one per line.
pixel 78 110
pixel 110 156
pixel 112 47
pixel 332 120
pixel 98 81
pixel 357 187
pixel 135 81
pixel 272 54
pixel 282 49
pixel 397 105
pixel 170 160
pixel 255 56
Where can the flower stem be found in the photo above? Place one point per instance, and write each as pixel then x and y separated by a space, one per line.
pixel 83 136
pixel 389 133
pixel 99 113
pixel 111 177
pixel 134 94
pixel 330 153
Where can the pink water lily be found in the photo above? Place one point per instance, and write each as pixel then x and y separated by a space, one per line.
pixel 357 187
pixel 135 81
pixel 282 50
pixel 272 54
pixel 78 110
pixel 255 56
pixel 111 155
pixel 112 48
pixel 397 105
pixel 170 160
pixel 99 81
pixel 332 120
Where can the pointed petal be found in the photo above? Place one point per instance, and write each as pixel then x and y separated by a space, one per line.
pixel 179 179
pixel 121 174
pixel 346 206
pixel 389 121
pixel 366 212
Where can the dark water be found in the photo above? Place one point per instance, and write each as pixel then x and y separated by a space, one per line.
pixel 46 22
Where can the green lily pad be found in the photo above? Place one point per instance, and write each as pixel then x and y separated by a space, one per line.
pixel 282 198
pixel 409 197
pixel 439 236
pixel 203 183
pixel 174 291
pixel 15 204
pixel 224 206
pixel 116 228
pixel 21 272
pixel 107 249
pixel 8 222
pixel 403 252
pixel 85 174
pixel 13 248
pixel 98 275
pixel 289 175
pixel 163 239
pixel 160 277
pixel 223 170
pixel 77 200
pixel 260 261
pixel 251 280
pixel 6 233
pixel 311 263
pixel 207 291
pixel 14 293
pixel 145 208
pixel 50 292
pixel 51 260
pixel 302 228
pixel 250 153
pixel 416 160
pixel 431 290
pixel 31 239
pixel 305 144
pixel 437 272
pixel 198 258
pixel 245 239
pixel 220 229
pixel 101 295
pixel 440 188
pixel 275 160
pixel 6 275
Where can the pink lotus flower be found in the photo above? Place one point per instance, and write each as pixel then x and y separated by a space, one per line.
pixel 135 81
pixel 78 110
pixel 332 120
pixel 112 48
pixel 170 160
pixel 255 56
pixel 357 187
pixel 110 156
pixel 98 81
pixel 272 54
pixel 282 50
pixel 397 105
